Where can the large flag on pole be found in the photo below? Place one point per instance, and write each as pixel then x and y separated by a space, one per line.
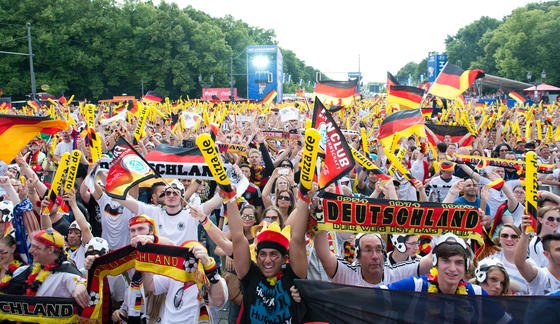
pixel 127 169
pixel 17 131
pixel 452 81
pixel 401 124
pixel 336 93
pixel 404 96
pixel 338 157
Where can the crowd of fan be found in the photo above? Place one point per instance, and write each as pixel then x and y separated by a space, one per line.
pixel 252 249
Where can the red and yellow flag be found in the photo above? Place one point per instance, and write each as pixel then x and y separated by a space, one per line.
pixel 17 131
pixel 453 81
pixel 518 97
pixel 401 124
pixel 405 96
pixel 336 93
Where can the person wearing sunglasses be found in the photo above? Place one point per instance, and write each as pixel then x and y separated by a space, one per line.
pixel 507 239
pixel 51 274
pixel 285 203
pixel 548 219
pixel 542 280
pixel 173 220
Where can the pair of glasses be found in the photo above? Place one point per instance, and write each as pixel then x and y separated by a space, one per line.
pixel 286 198
pixel 413 243
pixel 171 193
pixel 512 236
pixel 552 219
pixel 286 166
pixel 502 150
pixel 247 216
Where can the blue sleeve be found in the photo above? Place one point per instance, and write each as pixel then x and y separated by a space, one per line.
pixel 404 285
pixel 488 210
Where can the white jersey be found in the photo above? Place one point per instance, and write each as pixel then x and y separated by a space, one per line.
pixel 178 228
pixel 439 188
pixel 63 147
pixel 58 284
pixel 543 283
pixel 181 305
pixel 351 274
pixel 536 252
pixel 78 256
pixel 114 222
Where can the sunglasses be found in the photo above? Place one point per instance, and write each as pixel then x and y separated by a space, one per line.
pixel 248 216
pixel 286 166
pixel 512 236
pixel 552 219
pixel 286 198
pixel 171 193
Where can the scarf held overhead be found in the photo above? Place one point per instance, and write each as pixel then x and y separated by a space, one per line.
pixel 368 215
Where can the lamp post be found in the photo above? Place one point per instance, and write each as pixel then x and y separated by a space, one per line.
pixel 529 77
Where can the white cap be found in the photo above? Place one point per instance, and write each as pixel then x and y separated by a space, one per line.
pixel 175 184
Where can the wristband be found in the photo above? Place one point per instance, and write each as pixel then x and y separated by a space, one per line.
pixel 210 267
pixel 204 221
pixel 213 276
pixel 207 225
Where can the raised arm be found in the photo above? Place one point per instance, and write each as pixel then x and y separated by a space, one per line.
pixel 526 269
pixel 241 253
pixel 298 219
pixel 326 256
pixel 70 198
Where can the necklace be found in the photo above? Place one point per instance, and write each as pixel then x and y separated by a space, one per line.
pixel 433 285
pixel 38 275
pixel 12 266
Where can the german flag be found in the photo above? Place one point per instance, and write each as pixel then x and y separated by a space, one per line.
pixel 438 133
pixel 33 104
pixel 62 100
pixel 427 112
pixel 405 96
pixel 496 184
pixel 152 96
pixel 453 81
pixel 391 80
pixel 401 124
pixel 269 98
pixel 17 131
pixel 336 93
pixel 518 97
pixel 127 169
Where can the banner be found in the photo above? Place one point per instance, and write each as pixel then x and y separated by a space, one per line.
pixel 174 262
pixel 338 157
pixel 368 215
pixel 334 303
pixel 35 309
pixel 512 164
pixel 279 135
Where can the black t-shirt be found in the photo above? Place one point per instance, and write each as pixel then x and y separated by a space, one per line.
pixel 263 303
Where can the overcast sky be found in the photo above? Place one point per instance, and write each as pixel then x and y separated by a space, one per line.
pixel 370 36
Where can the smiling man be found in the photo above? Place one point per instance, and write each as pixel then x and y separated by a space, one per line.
pixel 451 261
